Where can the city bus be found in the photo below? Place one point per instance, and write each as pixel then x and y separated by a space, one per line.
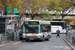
pixel 55 25
pixel 36 30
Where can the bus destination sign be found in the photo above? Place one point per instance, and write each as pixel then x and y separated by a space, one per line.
pixel 31 22
pixel 26 22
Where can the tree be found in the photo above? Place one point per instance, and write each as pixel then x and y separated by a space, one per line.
pixel 73 20
pixel 55 7
pixel 61 6
pixel 32 7
pixel 45 15
pixel 67 6
pixel 10 4
pixel 68 21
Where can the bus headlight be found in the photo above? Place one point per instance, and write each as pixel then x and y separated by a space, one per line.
pixel 23 35
pixel 40 34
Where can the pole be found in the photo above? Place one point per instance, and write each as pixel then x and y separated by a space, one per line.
pixel 5 10
pixel 13 11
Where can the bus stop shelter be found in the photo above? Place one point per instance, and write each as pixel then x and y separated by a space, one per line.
pixel 3 25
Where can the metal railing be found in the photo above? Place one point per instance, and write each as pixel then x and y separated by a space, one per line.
pixel 71 36
pixel 16 35
pixel 9 37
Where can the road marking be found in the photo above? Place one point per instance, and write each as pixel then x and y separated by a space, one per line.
pixel 67 44
pixel 19 43
pixel 1 46
pixel 4 45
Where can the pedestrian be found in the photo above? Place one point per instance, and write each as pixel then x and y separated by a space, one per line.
pixel 66 32
pixel 58 32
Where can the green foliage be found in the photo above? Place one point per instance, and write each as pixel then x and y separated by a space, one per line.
pixel 73 20
pixel 45 16
pixel 73 2
pixel 60 6
pixel 10 3
pixel 66 0
pixel 54 5
pixel 65 5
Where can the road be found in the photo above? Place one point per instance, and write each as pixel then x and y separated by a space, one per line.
pixel 53 44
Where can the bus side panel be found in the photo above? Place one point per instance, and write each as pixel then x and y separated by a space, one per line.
pixel 45 29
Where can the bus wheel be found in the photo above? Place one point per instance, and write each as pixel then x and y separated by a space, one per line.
pixel 26 40
pixel 47 39
pixel 23 40
pixel 43 39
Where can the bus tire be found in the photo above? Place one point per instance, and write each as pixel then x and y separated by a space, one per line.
pixel 43 39
pixel 47 39
pixel 22 40
pixel 26 40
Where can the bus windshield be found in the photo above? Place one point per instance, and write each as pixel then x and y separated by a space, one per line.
pixel 31 28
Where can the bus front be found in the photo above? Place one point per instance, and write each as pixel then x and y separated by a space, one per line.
pixel 31 30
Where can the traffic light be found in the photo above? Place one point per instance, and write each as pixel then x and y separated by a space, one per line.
pixel 15 10
pixel 7 10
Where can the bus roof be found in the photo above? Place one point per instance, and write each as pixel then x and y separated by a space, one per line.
pixel 34 20
pixel 57 21
pixel 40 22
pixel 44 22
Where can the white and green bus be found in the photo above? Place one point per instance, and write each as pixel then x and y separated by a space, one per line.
pixel 36 30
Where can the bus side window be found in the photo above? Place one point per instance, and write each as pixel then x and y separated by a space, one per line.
pixel 45 28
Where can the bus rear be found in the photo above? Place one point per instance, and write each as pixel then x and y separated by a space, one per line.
pixel 55 25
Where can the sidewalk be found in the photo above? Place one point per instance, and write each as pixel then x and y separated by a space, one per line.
pixel 10 43
pixel 69 43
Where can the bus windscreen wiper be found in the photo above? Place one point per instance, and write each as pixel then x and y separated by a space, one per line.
pixel 29 28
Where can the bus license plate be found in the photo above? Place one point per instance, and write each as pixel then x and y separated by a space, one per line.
pixel 31 38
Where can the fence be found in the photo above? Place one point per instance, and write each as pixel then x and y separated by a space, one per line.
pixel 9 37
pixel 3 38
pixel 16 35
pixel 71 36
pixel 0 37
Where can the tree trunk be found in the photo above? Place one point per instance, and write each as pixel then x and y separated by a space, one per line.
pixel 62 17
pixel 19 23
pixel 32 16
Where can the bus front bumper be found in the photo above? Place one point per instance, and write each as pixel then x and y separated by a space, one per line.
pixel 33 38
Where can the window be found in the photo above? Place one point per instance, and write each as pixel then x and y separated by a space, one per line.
pixel 31 28
pixel 45 28
pixel 2 27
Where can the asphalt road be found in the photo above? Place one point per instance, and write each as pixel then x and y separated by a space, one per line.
pixel 53 44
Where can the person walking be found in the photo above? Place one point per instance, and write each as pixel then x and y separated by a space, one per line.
pixel 66 32
pixel 58 32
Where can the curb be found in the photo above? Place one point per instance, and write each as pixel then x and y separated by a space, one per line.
pixel 3 45
pixel 17 43
pixel 68 40
pixel 69 44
